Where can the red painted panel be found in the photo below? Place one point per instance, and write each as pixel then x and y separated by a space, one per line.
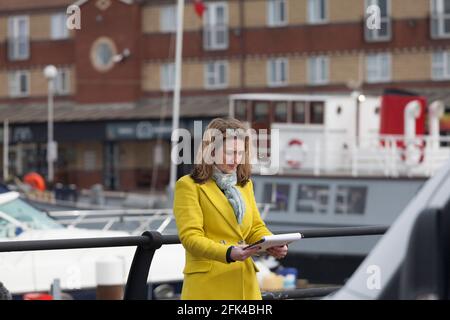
pixel 392 114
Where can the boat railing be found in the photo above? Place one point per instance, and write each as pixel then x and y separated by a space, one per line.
pixel 142 218
pixel 136 287
pixel 331 153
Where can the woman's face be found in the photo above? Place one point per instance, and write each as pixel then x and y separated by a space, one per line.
pixel 233 153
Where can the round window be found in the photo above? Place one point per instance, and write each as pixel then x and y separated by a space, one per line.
pixel 102 54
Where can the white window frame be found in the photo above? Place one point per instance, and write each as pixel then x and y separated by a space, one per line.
pixel 437 20
pixel 211 29
pixel 168 18
pixel 275 80
pixel 313 17
pixel 377 64
pixel 59 88
pixel 167 74
pixel 15 40
pixel 14 83
pixel 215 74
pixel 315 65
pixel 58 28
pixel 444 65
pixel 273 13
pixel 374 35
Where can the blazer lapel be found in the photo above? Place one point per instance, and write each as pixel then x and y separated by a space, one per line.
pixel 221 203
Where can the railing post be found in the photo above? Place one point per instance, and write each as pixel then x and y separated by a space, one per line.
pixel 136 287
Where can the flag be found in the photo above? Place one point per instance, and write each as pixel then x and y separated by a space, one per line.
pixel 199 7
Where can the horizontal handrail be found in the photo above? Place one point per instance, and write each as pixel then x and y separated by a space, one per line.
pixel 82 243
pixel 110 213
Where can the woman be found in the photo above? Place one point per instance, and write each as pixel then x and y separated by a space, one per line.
pixel 216 215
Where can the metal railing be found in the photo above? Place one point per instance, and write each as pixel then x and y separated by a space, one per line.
pixel 143 218
pixel 375 155
pixel 150 241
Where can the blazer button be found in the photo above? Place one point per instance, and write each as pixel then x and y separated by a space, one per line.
pixel 241 242
pixel 223 242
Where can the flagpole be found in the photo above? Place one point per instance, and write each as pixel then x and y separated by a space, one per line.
pixel 176 96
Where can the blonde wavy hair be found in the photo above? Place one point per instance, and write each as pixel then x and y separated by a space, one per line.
pixel 227 127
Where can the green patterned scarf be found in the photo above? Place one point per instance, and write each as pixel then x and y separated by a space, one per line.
pixel 227 183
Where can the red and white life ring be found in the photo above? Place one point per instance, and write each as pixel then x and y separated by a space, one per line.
pixel 295 153
pixel 413 154
pixel 35 180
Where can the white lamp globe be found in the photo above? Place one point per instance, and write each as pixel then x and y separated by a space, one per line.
pixel 50 72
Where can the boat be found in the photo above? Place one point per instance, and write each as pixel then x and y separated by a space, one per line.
pixel 410 262
pixel 338 161
pixel 75 270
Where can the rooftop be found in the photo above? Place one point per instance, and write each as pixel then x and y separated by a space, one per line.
pixel 196 106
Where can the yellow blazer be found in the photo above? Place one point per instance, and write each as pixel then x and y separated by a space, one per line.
pixel 207 226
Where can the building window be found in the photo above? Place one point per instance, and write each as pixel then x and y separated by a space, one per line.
pixel 378 67
pixel 318 70
pixel 58 29
pixel 317 109
pixel 280 111
pixel 312 199
pixel 276 13
pixel 440 65
pixel 277 194
pixel 19 84
pixel 102 54
pixel 261 112
pixel 350 200
pixel 62 82
pixel 277 72
pixel 383 31
pixel 168 76
pixel 241 110
pixel 309 112
pixel 317 11
pixel 168 18
pixel 215 33
pixel 299 112
pixel 18 38
pixel 216 75
pixel 440 18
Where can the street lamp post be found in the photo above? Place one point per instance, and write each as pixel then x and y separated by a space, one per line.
pixel 5 150
pixel 359 98
pixel 50 72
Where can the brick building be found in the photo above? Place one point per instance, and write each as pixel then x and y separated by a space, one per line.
pixel 113 103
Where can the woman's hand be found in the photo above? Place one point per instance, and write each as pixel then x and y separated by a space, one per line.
pixel 278 252
pixel 239 254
